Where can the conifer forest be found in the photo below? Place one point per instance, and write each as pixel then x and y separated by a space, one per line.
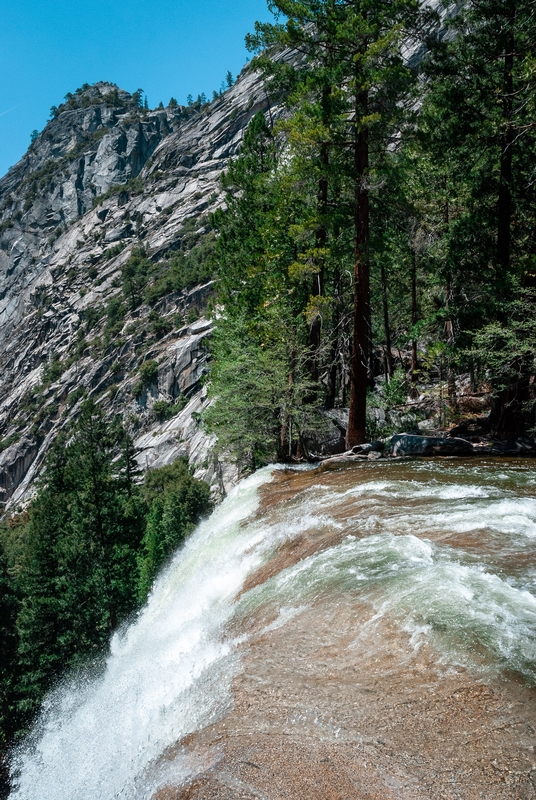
pixel 372 254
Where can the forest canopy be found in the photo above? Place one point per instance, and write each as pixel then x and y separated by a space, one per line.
pixel 385 227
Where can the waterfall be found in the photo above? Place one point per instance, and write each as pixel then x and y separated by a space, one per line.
pixel 169 673
pixel 441 551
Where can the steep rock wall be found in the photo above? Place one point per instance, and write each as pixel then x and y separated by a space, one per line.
pixel 70 217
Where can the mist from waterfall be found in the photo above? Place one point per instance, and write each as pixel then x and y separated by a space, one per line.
pixel 440 549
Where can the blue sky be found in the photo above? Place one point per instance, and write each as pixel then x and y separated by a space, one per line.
pixel 166 47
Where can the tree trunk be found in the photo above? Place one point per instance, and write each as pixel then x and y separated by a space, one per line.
pixel 504 222
pixel 360 357
pixel 414 356
pixel 317 289
pixel 386 327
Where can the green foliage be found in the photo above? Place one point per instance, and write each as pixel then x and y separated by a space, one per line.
pixel 52 370
pixel 263 401
pixel 149 372
pixel 112 252
pixel 78 571
pixel 137 98
pixel 387 413
pixel 8 441
pixel 164 410
pixel 9 605
pixel 76 395
pixel 241 244
pixel 83 557
pixel 89 317
pixel 192 315
pixel 159 326
pixel 81 98
pixel 264 396
pixel 135 275
pixel 115 314
pixel 192 264
pixel 440 225
pixel 503 350
pixel 176 501
pixel 395 392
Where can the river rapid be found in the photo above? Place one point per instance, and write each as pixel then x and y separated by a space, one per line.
pixel 359 631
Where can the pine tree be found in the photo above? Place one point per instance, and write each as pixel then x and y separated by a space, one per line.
pixel 478 135
pixel 261 343
pixel 79 573
pixel 8 667
pixel 355 67
pixel 175 500
pixel 137 99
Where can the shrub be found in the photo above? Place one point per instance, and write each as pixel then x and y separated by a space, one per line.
pixel 159 325
pixel 53 370
pixel 135 275
pixel 8 441
pixel 133 186
pixel 163 410
pixel 149 372
pixel 74 397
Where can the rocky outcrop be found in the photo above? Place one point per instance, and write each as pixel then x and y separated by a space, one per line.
pixel 369 447
pixel 102 179
pixel 407 444
pixel 14 464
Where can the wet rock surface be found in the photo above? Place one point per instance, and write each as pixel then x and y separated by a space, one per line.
pixel 339 700
pixel 322 721
pixel 406 444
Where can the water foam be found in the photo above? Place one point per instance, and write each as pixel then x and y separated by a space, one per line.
pixel 472 616
pixel 170 673
pixel 167 675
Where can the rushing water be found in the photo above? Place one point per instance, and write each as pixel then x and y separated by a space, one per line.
pixel 443 549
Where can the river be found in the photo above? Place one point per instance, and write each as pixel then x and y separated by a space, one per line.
pixel 359 631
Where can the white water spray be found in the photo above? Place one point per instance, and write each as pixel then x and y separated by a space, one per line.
pixel 442 551
pixel 168 674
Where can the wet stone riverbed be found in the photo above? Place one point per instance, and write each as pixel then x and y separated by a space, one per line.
pixel 388 640
pixel 352 632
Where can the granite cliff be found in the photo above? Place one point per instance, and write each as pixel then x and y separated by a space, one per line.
pixel 105 187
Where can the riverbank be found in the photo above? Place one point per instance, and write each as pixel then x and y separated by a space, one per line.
pixel 410 444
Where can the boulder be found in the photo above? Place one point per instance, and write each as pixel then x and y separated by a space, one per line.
pixel 406 444
pixel 327 441
pixel 519 447
pixel 472 428
pixel 369 447
pixel 374 455
pixel 525 445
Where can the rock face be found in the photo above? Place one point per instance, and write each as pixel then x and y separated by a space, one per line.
pixel 406 444
pixel 102 179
